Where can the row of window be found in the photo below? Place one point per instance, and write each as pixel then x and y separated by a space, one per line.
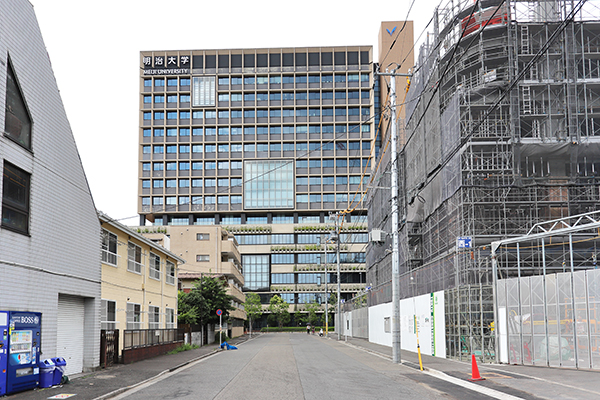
pixel 338 77
pixel 237 165
pixel 261 147
pixel 133 312
pixel 237 182
pixel 315 258
pixel 259 113
pixel 298 238
pixel 252 130
pixel 135 258
pixel 315 278
pixel 237 199
pixel 237 220
pixel 185 99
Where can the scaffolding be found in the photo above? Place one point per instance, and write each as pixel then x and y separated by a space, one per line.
pixel 502 132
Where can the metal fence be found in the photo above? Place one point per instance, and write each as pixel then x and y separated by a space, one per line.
pixel 133 338
pixel 552 320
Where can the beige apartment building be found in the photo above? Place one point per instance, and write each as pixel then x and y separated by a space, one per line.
pixel 207 250
pixel 139 283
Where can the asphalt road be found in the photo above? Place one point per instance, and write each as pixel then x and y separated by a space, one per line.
pixel 297 366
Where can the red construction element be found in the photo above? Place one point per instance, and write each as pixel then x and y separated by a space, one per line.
pixel 474 370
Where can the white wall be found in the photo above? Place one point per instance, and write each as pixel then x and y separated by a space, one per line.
pixel 426 310
pixel 61 254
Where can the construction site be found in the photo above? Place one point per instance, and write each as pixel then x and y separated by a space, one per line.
pixel 501 134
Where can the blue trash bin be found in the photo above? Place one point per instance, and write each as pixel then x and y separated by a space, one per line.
pixel 59 370
pixel 46 373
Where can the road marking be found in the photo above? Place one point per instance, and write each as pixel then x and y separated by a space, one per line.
pixel 472 386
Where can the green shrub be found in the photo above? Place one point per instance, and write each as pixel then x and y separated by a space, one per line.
pixel 183 347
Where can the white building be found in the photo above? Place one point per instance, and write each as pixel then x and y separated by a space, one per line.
pixel 49 232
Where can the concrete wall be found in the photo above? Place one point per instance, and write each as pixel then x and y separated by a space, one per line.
pixel 61 254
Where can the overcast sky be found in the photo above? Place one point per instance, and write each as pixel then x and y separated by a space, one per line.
pixel 94 49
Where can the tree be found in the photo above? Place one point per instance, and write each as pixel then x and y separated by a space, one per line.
pixel 208 295
pixel 253 308
pixel 187 313
pixel 279 308
pixel 312 309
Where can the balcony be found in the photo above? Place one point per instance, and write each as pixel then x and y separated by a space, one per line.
pixel 229 249
pixel 229 268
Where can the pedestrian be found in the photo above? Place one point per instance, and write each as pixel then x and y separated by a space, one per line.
pixel 308 329
pixel 321 332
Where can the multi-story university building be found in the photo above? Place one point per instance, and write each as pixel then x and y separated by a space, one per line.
pixel 266 142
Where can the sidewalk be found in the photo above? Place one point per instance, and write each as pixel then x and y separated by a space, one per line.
pixel 108 382
pixel 530 382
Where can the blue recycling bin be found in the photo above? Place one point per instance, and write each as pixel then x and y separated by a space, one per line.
pixel 59 370
pixel 46 373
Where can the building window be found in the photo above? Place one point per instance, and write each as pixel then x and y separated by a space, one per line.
pixel 153 317
pixel 108 317
pixel 154 267
pixel 17 122
pixel 202 236
pixel 109 247
pixel 256 272
pixel 15 198
pixel 170 318
pixel 277 174
pixel 203 91
pixel 134 258
pixel 134 316
pixel 202 258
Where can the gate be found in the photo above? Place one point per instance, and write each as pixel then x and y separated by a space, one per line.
pixel 109 347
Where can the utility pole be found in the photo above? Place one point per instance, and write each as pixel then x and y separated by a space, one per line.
pixel 339 301
pixel 324 240
pixel 396 339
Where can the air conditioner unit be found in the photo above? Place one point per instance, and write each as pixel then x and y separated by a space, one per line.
pixel 376 235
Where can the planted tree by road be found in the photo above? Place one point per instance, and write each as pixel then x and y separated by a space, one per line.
pixel 253 308
pixel 207 296
pixel 279 308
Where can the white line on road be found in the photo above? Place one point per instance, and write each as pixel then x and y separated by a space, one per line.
pixel 472 386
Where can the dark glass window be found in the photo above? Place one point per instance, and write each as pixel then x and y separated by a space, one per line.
pixel 262 60
pixel 224 61
pixel 300 59
pixel 17 123
pixel 248 60
pixel 288 59
pixel 198 62
pixel 15 198
pixel 326 59
pixel 313 59
pixel 340 58
pixel 364 57
pixel 236 61
pixel 353 58
pixel 275 60
pixel 211 61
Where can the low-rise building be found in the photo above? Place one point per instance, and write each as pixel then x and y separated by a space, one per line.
pixel 139 286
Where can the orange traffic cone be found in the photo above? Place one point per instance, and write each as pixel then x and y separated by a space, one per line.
pixel 474 370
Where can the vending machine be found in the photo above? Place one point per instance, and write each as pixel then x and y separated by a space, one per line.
pixel 20 342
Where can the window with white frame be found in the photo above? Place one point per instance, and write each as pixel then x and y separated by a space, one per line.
pixel 109 247
pixel 170 273
pixel 134 316
pixel 134 258
pixel 202 236
pixel 153 317
pixel 108 310
pixel 202 258
pixel 170 318
pixel 154 267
